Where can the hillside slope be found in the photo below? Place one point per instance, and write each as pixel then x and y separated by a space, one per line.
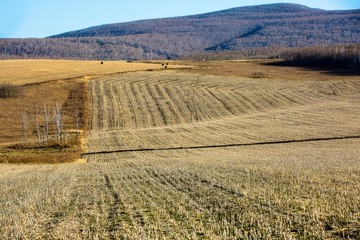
pixel 288 25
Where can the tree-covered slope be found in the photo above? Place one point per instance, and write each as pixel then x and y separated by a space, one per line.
pixel 287 25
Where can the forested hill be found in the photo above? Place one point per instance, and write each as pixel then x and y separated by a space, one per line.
pixel 285 25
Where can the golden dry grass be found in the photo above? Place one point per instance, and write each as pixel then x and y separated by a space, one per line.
pixel 22 72
pixel 70 94
pixel 166 189
pixel 251 68
pixel 35 95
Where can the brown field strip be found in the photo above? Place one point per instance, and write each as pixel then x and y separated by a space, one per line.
pixel 68 93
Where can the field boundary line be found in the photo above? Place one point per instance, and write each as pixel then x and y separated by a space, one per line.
pixel 222 145
pixel 101 75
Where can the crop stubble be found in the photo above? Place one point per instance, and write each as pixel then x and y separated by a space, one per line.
pixel 284 191
pixel 269 192
pixel 178 110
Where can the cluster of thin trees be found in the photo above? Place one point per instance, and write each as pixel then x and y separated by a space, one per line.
pixel 48 125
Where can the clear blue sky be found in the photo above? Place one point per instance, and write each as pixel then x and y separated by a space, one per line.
pixel 41 18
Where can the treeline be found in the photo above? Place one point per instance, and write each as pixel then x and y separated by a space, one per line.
pixel 336 56
pixel 104 48
pixel 248 53
pixel 346 56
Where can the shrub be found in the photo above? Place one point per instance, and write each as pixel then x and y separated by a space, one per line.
pixel 8 90
pixel 258 74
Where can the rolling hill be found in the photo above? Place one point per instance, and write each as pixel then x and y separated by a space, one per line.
pixel 271 25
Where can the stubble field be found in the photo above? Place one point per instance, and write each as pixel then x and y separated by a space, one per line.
pixel 190 155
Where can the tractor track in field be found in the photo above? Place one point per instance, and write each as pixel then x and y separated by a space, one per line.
pixel 117 212
pixel 223 145
pixel 113 210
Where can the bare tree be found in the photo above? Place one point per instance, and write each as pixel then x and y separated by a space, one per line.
pixel 46 123
pixel 77 119
pixel 24 125
pixel 58 121
pixel 66 137
pixel 37 126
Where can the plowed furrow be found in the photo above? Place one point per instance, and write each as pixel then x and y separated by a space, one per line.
pixel 160 113
pixel 224 105
pixel 176 105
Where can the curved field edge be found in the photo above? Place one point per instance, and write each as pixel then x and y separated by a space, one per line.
pixel 45 83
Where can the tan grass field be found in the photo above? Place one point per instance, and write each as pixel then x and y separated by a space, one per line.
pixel 262 68
pixel 33 71
pixel 212 152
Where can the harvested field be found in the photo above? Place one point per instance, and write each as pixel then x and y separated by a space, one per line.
pixel 179 110
pixel 32 71
pixel 294 191
pixel 188 155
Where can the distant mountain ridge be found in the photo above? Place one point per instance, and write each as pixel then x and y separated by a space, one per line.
pixel 157 25
pixel 283 24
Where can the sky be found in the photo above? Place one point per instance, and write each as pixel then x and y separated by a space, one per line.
pixel 42 18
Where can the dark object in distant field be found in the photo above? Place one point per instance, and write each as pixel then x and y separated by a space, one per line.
pixel 102 63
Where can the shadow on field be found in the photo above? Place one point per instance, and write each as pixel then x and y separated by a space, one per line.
pixel 328 70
